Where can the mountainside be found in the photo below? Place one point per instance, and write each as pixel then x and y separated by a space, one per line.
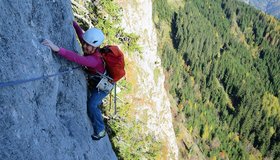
pixel 221 81
pixel 271 7
pixel 221 61
pixel 45 118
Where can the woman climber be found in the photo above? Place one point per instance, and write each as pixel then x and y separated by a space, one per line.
pixel 90 40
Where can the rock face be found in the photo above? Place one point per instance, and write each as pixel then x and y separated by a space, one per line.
pixel 46 118
pixel 137 18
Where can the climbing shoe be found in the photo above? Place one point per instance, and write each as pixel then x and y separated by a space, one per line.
pixel 99 135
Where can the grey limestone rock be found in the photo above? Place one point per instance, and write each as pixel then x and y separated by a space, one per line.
pixel 47 118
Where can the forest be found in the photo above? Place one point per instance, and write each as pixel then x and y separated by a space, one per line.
pixel 222 64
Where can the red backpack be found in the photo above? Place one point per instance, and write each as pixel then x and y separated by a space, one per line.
pixel 114 61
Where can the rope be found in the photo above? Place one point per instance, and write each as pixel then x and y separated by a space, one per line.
pixel 17 82
pixel 115 99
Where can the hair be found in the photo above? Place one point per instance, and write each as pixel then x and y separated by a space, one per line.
pixel 105 49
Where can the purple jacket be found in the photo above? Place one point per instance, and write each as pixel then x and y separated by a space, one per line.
pixel 93 62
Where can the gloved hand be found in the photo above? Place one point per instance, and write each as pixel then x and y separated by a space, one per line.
pixel 50 44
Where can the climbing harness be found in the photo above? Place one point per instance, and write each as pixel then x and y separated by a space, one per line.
pixel 105 84
pixel 17 82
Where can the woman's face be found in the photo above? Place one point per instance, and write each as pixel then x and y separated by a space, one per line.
pixel 88 49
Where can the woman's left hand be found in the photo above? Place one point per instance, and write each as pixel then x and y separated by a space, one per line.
pixel 50 44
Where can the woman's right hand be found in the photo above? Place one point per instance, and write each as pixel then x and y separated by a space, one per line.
pixel 50 44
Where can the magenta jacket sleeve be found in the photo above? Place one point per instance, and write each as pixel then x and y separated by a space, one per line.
pixel 79 31
pixel 89 61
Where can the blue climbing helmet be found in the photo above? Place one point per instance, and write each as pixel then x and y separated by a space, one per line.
pixel 94 37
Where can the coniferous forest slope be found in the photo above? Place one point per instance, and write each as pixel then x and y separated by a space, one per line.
pixel 222 61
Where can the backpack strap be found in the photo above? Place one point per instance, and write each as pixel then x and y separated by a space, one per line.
pixel 105 74
pixel 104 50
